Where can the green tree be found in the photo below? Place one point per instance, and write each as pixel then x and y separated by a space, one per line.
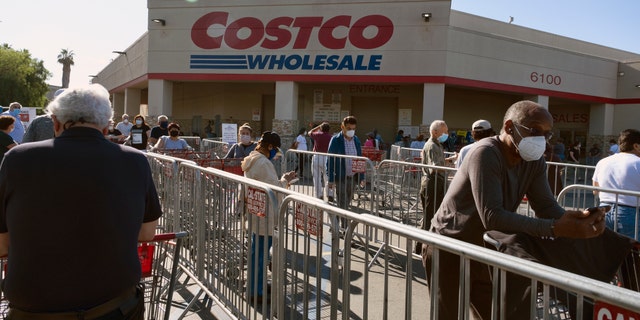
pixel 22 78
pixel 66 59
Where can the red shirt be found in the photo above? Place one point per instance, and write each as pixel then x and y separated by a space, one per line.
pixel 320 141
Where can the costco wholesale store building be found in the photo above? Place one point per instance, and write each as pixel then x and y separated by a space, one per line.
pixel 282 64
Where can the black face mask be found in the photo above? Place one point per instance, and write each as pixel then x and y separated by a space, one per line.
pixel 164 125
pixel 174 133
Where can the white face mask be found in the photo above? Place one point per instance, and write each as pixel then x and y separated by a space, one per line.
pixel 245 138
pixel 351 133
pixel 530 148
pixel 125 121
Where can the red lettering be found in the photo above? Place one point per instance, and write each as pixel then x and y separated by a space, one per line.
pixel 385 31
pixel 256 33
pixel 325 35
pixel 306 25
pixel 282 36
pixel 584 118
pixel 200 29
pixel 278 32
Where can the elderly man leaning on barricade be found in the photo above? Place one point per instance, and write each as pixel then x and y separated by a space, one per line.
pixel 621 171
pixel 484 196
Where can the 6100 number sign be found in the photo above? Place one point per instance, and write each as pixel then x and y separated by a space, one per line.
pixel 545 78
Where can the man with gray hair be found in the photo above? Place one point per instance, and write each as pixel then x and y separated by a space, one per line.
pixel 84 226
pixel 162 129
pixel 432 186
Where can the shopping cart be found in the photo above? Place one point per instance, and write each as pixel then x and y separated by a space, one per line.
pixel 373 154
pixel 232 165
pixel 159 260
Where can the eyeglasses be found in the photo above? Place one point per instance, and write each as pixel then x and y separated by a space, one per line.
pixel 536 133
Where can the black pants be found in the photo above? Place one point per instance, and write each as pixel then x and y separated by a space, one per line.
pixel 431 193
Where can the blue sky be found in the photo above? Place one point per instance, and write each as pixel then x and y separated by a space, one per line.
pixel 93 29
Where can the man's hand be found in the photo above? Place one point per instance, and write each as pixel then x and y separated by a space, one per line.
pixel 580 224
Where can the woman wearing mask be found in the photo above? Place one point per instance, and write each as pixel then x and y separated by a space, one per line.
pixel 6 142
pixel 172 142
pixel 113 134
pixel 245 146
pixel 258 166
pixel 139 134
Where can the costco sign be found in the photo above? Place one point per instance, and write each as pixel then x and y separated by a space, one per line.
pixel 290 33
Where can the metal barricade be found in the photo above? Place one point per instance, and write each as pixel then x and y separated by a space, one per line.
pixel 164 171
pixel 568 174
pixel 192 141
pixel 324 276
pixel 579 197
pixel 398 186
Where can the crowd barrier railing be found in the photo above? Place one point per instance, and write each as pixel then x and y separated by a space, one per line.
pixel 579 197
pixel 565 173
pixel 318 269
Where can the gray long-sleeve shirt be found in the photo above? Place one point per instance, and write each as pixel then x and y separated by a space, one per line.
pixel 485 194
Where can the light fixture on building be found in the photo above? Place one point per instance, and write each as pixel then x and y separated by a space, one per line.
pixel 621 74
pixel 119 52
pixel 637 85
pixel 159 21
pixel 92 76
pixel 426 16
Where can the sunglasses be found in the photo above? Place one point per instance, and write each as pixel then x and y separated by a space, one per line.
pixel 535 132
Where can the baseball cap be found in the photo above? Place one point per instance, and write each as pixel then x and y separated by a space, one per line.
pixel 481 125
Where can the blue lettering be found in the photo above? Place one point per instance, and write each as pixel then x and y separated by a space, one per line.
pixel 374 62
pixel 258 62
pixel 305 63
pixel 346 63
pixel 275 61
pixel 293 62
pixel 359 64
pixel 319 63
pixel 332 62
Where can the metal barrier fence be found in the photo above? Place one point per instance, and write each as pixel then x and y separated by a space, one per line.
pixel 314 271
pixel 579 197
pixel 193 141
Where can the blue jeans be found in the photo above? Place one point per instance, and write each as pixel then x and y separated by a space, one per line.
pixel 259 241
pixel 626 219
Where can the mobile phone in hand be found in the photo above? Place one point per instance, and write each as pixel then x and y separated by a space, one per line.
pixel 606 208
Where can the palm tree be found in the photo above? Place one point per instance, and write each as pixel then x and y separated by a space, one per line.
pixel 66 59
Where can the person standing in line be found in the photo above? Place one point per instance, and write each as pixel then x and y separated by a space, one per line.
pixel 257 165
pixel 41 128
pixel 321 138
pixel 139 134
pixel 340 170
pixel 621 171
pixel 479 130
pixel 484 196
pixel 301 144
pixel 18 132
pixel 6 142
pixel 124 126
pixel 594 155
pixel 88 240
pixel 559 149
pixel 432 186
pixel 370 142
pixel 613 147
pixel 574 152
pixel 245 146
pixel 162 129
pixel 113 134
pixel 172 141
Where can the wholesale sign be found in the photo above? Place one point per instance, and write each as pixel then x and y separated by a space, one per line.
pixel 215 30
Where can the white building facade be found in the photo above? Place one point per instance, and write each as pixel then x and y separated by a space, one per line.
pixel 283 64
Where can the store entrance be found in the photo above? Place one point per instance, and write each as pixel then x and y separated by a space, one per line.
pixel 376 112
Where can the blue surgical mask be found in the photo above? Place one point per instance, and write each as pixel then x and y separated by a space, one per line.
pixel 443 138
pixel 15 112
pixel 272 153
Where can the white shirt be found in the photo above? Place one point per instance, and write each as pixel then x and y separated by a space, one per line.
pixel 462 153
pixel 619 171
pixel 302 142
